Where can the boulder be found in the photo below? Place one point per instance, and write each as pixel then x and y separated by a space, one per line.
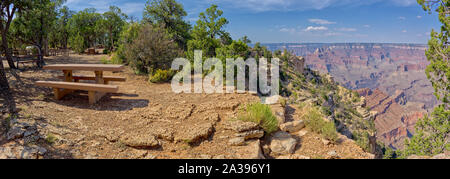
pixel 255 134
pixel 325 142
pixel 251 151
pixel 22 152
pixel 240 126
pixel 15 132
pixel 32 152
pixel 6 153
pixel 238 141
pixel 279 112
pixel 266 149
pixel 293 126
pixel 333 155
pixel 164 134
pixel 140 141
pixel 282 143
pixel 275 99
pixel 302 133
pixel 196 133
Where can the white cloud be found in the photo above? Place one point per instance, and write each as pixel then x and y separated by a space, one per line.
pixel 401 18
pixel 321 21
pixel 318 28
pixel 404 31
pixel 366 26
pixel 419 17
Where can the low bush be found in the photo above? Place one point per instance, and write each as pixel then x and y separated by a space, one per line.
pixel 51 139
pixel 115 59
pixel 105 60
pixel 314 120
pixel 362 140
pixel 283 102
pixel 261 114
pixel 151 50
pixel 162 76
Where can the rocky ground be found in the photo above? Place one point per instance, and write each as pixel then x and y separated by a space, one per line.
pixel 149 121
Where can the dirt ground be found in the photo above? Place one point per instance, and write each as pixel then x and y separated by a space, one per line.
pixel 142 120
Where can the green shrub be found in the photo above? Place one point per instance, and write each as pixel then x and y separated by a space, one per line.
pixel 283 102
pixel 153 49
pixel 105 60
pixel 324 96
pixel 362 140
pixel 302 105
pixel 115 59
pixel 314 121
pixel 329 131
pixel 327 111
pixel 261 114
pixel 51 139
pixel 77 44
pixel 389 153
pixel 106 51
pixel 127 36
pixel 162 76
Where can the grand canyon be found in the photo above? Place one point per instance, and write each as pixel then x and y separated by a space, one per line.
pixel 390 76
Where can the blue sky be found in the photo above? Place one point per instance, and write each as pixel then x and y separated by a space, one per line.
pixel 299 21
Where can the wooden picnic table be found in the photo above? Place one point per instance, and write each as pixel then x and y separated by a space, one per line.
pixel 71 82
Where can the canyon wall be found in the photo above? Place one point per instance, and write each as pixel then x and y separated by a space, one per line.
pixel 390 76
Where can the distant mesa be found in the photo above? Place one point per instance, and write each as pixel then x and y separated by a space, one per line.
pixel 390 76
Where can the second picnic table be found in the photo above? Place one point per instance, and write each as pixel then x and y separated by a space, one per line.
pixel 71 83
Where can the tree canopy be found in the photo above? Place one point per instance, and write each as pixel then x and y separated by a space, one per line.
pixel 114 21
pixel 206 32
pixel 432 133
pixel 169 15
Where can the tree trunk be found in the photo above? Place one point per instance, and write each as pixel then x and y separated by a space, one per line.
pixel 5 91
pixel 7 51
pixel 374 149
pixel 112 40
pixel 45 48
pixel 40 62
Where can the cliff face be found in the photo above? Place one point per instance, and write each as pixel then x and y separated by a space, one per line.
pixel 394 75
pixel 394 122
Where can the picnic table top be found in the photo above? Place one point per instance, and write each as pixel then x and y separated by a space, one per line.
pixel 84 67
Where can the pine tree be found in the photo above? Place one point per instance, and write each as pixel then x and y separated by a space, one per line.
pixel 433 132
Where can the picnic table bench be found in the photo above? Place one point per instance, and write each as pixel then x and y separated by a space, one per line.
pixel 71 83
pixel 24 59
